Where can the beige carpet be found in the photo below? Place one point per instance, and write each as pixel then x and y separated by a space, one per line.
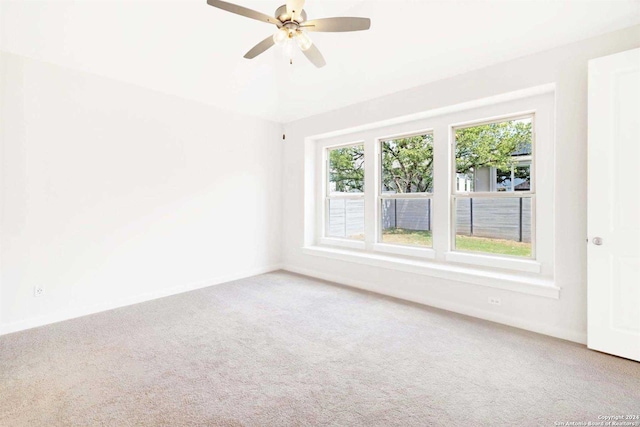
pixel 281 349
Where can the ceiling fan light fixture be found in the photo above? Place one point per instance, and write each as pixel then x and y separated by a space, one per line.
pixel 304 42
pixel 289 49
pixel 281 36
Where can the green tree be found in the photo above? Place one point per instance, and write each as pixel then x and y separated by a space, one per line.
pixel 492 145
pixel 346 169
pixel 407 164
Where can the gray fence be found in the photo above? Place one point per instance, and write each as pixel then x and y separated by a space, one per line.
pixel 496 218
pixel 346 218
pixel 409 214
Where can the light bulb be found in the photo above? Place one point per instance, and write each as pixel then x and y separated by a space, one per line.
pixel 281 36
pixel 304 42
pixel 289 49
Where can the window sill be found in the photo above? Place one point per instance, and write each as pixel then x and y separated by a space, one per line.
pixel 501 280
pixel 412 251
pixel 344 243
pixel 504 263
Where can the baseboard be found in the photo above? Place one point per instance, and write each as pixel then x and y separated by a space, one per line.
pixel 84 311
pixel 565 334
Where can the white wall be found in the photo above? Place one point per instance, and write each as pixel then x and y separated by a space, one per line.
pixel 566 67
pixel 113 194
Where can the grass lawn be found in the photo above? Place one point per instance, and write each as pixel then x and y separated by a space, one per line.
pixel 463 243
pixel 493 246
pixel 401 236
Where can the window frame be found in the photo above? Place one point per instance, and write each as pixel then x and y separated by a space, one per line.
pixel 394 248
pixel 523 274
pixel 457 195
pixel 327 196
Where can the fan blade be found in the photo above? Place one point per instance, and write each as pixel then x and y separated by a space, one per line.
pixel 239 10
pixel 337 25
pixel 294 8
pixel 260 47
pixel 314 55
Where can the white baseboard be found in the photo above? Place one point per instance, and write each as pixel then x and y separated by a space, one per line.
pixel 566 334
pixel 84 311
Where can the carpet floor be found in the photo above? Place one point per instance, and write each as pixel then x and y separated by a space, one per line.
pixel 286 350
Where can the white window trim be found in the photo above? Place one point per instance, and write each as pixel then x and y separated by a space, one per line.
pixel 345 243
pixel 322 236
pixel 520 275
pixel 501 262
pixel 406 250
pixel 543 287
pixel 379 245
pixel 483 258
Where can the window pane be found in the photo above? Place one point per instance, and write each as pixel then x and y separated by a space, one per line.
pixel 514 179
pixel 495 225
pixel 406 222
pixel 494 157
pixel 407 165
pixel 346 169
pixel 346 218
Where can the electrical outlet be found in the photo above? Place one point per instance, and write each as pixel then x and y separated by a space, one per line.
pixel 38 291
pixel 494 301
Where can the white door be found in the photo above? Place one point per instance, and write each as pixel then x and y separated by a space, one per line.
pixel 613 253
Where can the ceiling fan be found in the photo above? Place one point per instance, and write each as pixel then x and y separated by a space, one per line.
pixel 291 20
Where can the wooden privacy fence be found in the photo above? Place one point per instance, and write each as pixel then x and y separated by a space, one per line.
pixel 496 218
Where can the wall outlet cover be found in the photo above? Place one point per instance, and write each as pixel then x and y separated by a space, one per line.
pixel 494 301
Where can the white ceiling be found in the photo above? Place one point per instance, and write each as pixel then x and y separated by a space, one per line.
pixel 190 49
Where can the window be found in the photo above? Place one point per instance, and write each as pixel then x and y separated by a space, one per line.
pixel 493 189
pixel 464 188
pixel 406 188
pixel 345 192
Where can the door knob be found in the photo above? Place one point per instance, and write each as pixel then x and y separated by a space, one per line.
pixel 597 241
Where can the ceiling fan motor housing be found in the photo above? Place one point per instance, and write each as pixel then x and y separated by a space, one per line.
pixel 282 15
